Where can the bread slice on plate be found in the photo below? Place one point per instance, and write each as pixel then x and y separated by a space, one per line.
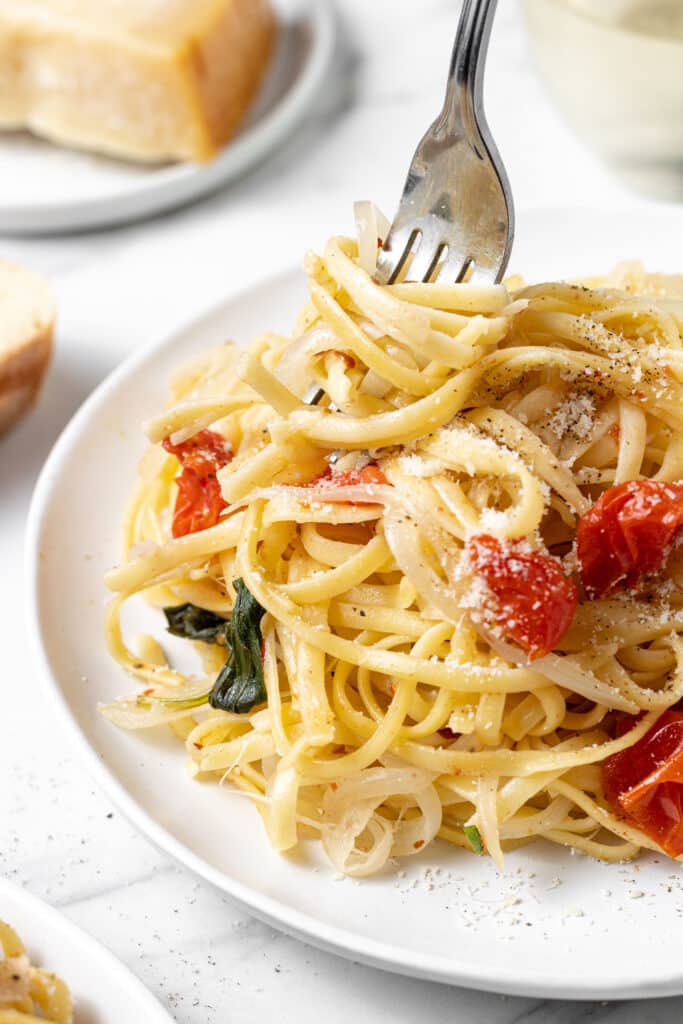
pixel 147 80
pixel 27 314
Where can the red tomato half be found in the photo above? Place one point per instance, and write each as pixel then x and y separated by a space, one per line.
pixel 532 600
pixel 644 784
pixel 628 534
pixel 199 502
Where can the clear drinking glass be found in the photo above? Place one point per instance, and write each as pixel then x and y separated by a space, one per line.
pixel 615 69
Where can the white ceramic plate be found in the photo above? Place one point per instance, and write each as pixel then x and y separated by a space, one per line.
pixel 104 991
pixel 45 188
pixel 555 925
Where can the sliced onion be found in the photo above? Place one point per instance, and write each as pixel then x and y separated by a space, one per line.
pixel 350 813
pixel 340 842
pixel 158 707
pixel 563 671
pixel 129 714
pixel 567 673
pixel 375 784
pixel 293 368
pixel 415 833
pixel 373 228
pixel 523 825
pixel 373 384
pixel 404 543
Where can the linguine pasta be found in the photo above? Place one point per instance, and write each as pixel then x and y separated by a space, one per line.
pixel 378 703
pixel 29 995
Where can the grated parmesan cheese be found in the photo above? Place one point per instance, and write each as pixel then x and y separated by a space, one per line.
pixel 575 416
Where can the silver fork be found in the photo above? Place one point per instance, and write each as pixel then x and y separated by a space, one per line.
pixel 456 213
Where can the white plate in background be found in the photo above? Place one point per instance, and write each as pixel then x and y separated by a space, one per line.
pixel 555 925
pixel 45 188
pixel 103 989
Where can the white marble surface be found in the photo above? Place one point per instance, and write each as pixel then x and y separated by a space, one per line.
pixel 208 962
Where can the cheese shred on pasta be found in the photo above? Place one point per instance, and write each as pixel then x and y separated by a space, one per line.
pixel 390 716
pixel 29 995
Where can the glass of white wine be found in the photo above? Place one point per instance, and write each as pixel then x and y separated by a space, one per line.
pixel 615 69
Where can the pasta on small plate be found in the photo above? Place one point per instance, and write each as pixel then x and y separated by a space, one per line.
pixel 51 972
pixel 29 994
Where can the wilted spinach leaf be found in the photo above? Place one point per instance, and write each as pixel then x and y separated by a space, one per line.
pixel 240 686
pixel 193 623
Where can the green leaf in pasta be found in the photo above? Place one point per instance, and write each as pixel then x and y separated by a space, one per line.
pixel 240 686
pixel 194 623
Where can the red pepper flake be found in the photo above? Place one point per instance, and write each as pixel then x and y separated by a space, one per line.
pixel 420 843
pixel 199 746
pixel 148 693
pixel 347 359
pixel 333 785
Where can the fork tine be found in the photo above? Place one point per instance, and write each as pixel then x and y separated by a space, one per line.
pixel 425 260
pixel 457 193
pixel 454 268
pixel 394 253
pixel 487 271
pixel 387 268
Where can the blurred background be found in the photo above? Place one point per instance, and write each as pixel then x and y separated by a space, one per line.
pixel 561 86
pixel 121 286
pixel 585 101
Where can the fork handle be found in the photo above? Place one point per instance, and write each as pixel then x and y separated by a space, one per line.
pixel 464 106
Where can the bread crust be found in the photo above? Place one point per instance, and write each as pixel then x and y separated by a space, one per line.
pixel 25 351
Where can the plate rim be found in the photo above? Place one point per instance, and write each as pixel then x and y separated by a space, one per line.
pixel 97 953
pixel 189 182
pixel 331 938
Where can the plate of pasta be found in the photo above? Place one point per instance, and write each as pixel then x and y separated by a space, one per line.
pixel 392 649
pixel 51 972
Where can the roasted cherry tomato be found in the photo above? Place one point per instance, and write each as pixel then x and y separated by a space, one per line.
pixel 644 784
pixel 199 502
pixel 628 534
pixel 529 597
pixel 370 474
